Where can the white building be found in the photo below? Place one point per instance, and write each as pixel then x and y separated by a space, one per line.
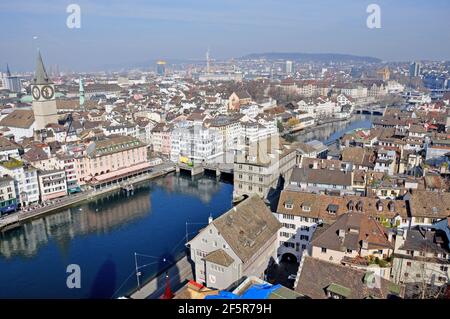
pixel 25 180
pixel 355 92
pixel 196 142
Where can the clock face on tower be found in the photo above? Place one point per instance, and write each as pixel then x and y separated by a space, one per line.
pixel 47 92
pixel 36 93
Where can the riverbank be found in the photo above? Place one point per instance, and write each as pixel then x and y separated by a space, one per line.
pixel 16 219
pixel 316 126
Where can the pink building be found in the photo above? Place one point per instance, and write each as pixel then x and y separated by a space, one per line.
pixel 112 159
pixel 161 139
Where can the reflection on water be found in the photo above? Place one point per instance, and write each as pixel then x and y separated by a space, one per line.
pixel 102 235
pixel 330 132
pixel 198 186
pixel 98 216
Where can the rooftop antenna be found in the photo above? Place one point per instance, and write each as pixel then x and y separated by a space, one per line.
pixel 207 61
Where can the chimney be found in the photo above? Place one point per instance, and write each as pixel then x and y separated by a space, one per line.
pixel 365 244
pixel 315 165
pixel 342 233
pixel 390 236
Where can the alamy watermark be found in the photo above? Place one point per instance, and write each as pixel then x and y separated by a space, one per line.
pixel 74 19
pixel 374 18
pixel 74 278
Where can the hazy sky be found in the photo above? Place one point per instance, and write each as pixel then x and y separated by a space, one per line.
pixel 127 32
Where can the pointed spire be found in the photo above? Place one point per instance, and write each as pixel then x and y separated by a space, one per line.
pixel 81 94
pixel 8 72
pixel 40 77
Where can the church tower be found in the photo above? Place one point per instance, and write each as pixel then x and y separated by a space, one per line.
pixel 81 94
pixel 43 91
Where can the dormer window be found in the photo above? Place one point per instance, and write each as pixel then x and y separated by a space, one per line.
pixel 336 291
pixel 288 204
pixel 380 206
pixel 350 205
pixel 359 206
pixel 332 209
pixel 306 207
pixel 391 206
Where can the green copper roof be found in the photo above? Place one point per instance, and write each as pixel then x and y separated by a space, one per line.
pixel 339 290
pixel 394 288
pixel 26 99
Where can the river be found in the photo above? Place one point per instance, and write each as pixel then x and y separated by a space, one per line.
pixel 329 132
pixel 101 236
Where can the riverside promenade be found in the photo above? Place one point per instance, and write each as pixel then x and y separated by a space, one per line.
pixel 15 219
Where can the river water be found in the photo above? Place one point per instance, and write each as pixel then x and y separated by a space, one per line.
pixel 330 132
pixel 102 236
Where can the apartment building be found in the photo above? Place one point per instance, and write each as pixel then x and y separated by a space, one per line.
pixel 421 256
pixel 25 180
pixel 52 184
pixel 301 213
pixel 8 198
pixel 197 143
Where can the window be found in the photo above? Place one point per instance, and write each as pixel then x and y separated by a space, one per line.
pixel 444 268
pixel 406 275
pixel 408 264
pixel 324 250
pixel 349 250
pixel 284 234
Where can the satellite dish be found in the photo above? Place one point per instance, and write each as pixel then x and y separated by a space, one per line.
pixel 90 149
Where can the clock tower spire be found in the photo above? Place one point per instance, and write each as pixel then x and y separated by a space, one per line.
pixel 43 91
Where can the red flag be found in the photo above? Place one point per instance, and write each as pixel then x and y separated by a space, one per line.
pixel 168 292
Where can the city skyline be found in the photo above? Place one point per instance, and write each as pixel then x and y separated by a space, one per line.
pixel 114 34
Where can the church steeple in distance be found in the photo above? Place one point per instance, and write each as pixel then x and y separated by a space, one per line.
pixel 8 72
pixel 43 91
pixel 81 93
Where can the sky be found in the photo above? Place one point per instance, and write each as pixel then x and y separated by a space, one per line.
pixel 136 32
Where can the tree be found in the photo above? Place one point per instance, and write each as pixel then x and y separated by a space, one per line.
pixel 293 121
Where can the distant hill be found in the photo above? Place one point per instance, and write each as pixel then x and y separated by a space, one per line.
pixel 311 57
